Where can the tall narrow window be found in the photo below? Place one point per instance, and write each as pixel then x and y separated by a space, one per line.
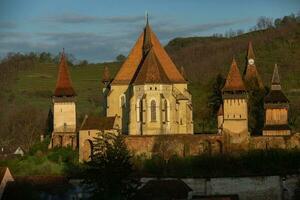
pixel 153 111
pixel 166 111
pixel 123 102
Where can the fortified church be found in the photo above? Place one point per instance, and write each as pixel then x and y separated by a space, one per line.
pixel 149 102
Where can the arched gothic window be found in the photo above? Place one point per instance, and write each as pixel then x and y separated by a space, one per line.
pixel 166 111
pixel 153 111
pixel 122 101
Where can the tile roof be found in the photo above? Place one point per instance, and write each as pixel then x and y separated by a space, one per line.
pixel 99 123
pixel 251 74
pixel 2 172
pixel 250 53
pixel 234 80
pixel 64 83
pixel 150 71
pixel 146 41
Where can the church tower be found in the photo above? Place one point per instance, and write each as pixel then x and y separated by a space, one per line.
pixel 149 93
pixel 251 76
pixel 276 109
pixel 64 109
pixel 235 112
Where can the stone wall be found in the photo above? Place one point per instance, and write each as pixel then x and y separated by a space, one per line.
pixel 184 145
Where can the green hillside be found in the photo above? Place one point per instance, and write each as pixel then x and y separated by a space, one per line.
pixel 36 86
pixel 202 57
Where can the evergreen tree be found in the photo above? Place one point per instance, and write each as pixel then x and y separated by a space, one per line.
pixel 109 174
pixel 255 106
pixel 215 99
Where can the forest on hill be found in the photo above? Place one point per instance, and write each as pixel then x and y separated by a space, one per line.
pixel 27 81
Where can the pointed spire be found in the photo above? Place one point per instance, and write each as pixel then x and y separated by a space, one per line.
pixel 63 84
pixel 106 75
pixel 147 45
pixel 250 54
pixel 275 79
pixel 234 80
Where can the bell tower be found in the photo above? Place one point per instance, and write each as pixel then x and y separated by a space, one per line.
pixel 251 76
pixel 235 113
pixel 64 109
pixel 276 109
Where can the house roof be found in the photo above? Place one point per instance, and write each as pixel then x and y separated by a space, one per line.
pixel 234 80
pixel 99 123
pixel 64 84
pixel 2 173
pixel 147 41
pixel 163 189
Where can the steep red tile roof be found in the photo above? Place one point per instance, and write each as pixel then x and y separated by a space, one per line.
pixel 250 51
pixel 64 84
pixel 146 41
pixel 151 71
pixel 251 73
pixel 234 80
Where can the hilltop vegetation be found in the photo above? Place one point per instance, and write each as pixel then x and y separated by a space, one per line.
pixel 205 57
pixel 27 81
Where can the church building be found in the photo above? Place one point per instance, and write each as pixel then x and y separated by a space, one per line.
pixel 149 94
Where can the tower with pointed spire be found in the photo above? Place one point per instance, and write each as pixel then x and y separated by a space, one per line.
pixel 235 111
pixel 64 109
pixel 251 76
pixel 149 93
pixel 276 109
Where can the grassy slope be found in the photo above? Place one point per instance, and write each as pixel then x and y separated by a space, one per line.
pixel 202 58
pixel 37 85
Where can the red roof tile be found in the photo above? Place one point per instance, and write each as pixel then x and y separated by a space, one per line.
pixel 234 80
pixel 64 83
pixel 146 41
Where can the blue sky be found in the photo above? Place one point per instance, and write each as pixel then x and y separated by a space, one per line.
pixel 99 30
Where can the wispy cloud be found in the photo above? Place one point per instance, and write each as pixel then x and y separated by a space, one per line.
pixel 69 18
pixel 166 32
pixel 7 25
pixel 101 46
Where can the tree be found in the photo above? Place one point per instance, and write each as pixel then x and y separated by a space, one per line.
pixel 255 106
pixel 264 23
pixel 120 58
pixel 215 98
pixel 109 174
